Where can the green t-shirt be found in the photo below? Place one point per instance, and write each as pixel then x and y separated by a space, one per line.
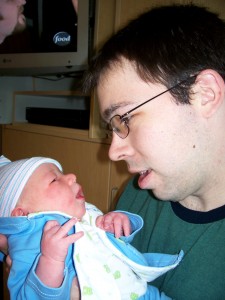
pixel 168 228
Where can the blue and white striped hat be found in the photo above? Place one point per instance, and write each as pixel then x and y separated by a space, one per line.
pixel 13 177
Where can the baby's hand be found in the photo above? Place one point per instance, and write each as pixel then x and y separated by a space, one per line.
pixel 56 241
pixel 54 247
pixel 114 222
pixel 4 249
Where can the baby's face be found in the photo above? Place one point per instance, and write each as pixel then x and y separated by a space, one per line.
pixel 49 190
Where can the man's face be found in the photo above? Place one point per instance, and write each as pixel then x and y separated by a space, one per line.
pixel 11 17
pixel 165 140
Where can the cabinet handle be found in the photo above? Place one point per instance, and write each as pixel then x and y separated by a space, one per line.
pixel 114 191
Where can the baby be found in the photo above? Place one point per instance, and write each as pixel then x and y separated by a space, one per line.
pixel 57 238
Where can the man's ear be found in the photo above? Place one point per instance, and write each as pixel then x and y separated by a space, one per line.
pixel 210 91
pixel 19 211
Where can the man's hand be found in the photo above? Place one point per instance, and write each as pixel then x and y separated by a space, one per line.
pixel 3 244
pixel 114 222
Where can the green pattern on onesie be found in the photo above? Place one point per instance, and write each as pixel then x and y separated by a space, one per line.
pixel 117 275
pixel 77 258
pixel 87 290
pixel 107 268
pixel 134 296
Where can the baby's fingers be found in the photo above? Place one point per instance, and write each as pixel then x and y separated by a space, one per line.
pixel 52 225
pixel 124 227
pixel 65 228
pixel 74 237
pixel 99 222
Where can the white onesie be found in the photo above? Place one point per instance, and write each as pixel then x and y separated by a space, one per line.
pixel 103 271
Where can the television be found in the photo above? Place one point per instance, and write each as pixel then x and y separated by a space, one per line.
pixel 57 39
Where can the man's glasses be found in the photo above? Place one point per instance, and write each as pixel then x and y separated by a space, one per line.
pixel 119 124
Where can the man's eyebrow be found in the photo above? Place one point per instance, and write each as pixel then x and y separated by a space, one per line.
pixel 108 113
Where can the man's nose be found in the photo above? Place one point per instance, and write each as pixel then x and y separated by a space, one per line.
pixel 119 148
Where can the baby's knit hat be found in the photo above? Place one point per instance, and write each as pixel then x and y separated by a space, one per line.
pixel 13 177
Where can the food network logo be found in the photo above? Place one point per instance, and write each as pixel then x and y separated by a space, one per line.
pixel 62 38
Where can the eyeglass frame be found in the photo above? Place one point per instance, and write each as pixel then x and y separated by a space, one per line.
pixel 139 105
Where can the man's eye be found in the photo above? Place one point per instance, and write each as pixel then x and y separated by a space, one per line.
pixel 126 120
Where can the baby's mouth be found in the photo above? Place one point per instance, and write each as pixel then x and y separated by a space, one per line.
pixel 80 194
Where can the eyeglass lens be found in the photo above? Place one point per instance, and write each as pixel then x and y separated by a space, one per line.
pixel 119 126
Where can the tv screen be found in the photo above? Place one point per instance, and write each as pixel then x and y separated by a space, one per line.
pixel 56 39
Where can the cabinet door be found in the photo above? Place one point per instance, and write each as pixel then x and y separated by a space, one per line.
pixel 88 160
pixel 119 177
pixel 217 6
pixel 129 9
pixel 104 28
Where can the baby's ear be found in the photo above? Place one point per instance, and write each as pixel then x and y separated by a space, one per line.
pixel 19 211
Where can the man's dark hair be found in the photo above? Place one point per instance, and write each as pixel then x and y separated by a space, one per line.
pixel 166 45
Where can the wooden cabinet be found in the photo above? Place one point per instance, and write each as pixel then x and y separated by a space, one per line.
pixel 129 9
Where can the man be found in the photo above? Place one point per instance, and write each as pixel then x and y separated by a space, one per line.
pixel 12 19
pixel 160 85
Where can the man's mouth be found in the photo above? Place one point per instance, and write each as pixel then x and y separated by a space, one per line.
pixel 144 173
pixel 143 181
